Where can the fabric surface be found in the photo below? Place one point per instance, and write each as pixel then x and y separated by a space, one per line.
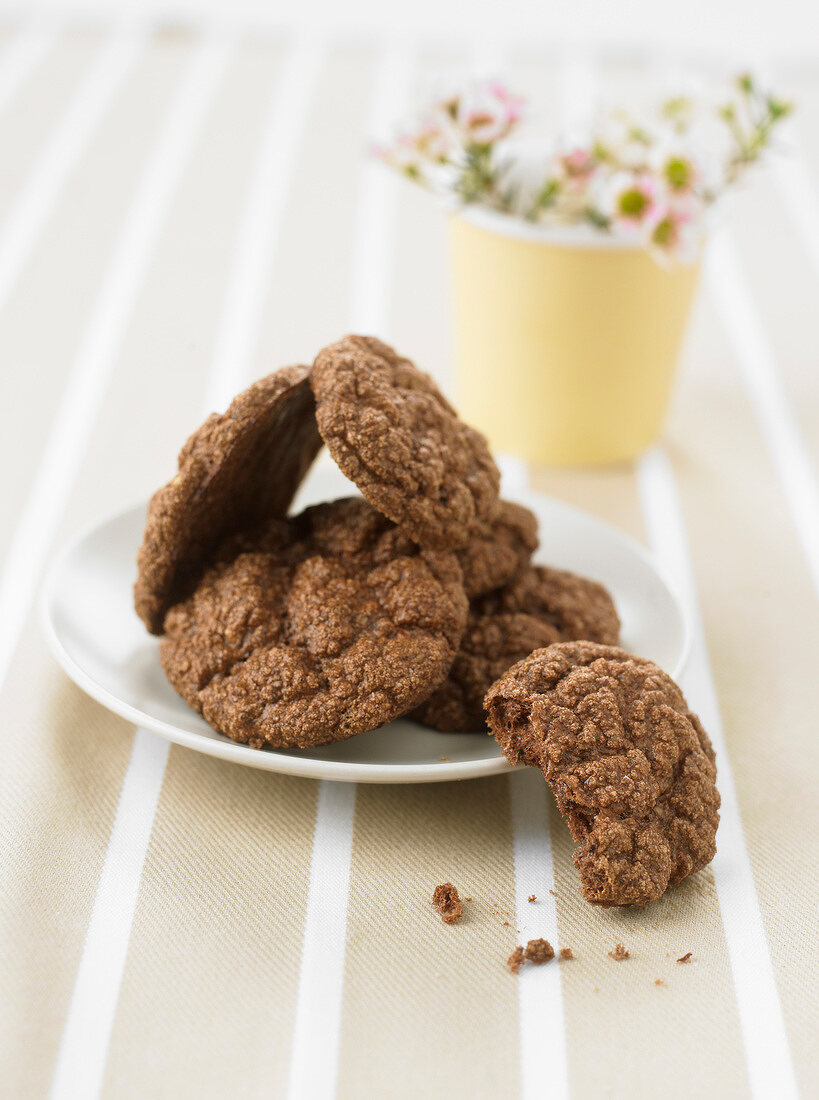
pixel 180 213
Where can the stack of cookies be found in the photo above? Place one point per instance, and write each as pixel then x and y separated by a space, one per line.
pixel 413 599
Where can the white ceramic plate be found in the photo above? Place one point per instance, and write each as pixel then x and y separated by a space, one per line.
pixel 99 641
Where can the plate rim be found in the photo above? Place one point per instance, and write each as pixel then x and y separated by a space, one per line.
pixel 310 767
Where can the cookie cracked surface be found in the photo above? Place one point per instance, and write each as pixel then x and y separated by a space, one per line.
pixel 312 629
pixel 392 432
pixel 237 469
pixel 540 606
pixel 499 550
pixel 631 767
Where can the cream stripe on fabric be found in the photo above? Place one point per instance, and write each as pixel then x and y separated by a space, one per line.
pixel 756 361
pixel 32 539
pixel 24 53
pixel 248 273
pixel 770 1068
pixel 323 952
pixel 81 1059
pixel 82 1053
pixel 59 799
pixel 691 1020
pixel 224 884
pixel 96 355
pixel 62 152
pixel 758 607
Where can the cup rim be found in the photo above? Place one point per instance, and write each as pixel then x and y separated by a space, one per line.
pixel 572 236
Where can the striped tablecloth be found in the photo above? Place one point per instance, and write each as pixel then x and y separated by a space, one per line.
pixel 179 213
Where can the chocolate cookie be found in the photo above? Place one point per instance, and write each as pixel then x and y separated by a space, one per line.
pixel 237 469
pixel 499 550
pixel 539 607
pixel 631 767
pixel 315 628
pixel 392 432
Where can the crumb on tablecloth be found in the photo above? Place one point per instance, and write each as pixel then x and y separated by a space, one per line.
pixel 446 901
pixel 515 960
pixel 566 953
pixel 686 957
pixel 535 951
pixel 659 981
pixel 619 953
pixel 539 951
pixel 532 897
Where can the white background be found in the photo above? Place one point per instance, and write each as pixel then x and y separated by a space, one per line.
pixel 751 29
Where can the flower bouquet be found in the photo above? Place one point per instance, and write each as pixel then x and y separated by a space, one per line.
pixel 574 265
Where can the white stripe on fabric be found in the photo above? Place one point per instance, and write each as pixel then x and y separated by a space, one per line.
pixel 540 993
pixel 540 988
pixel 313 1074
pixel 82 1055
pixel 370 284
pixel 578 92
pixel 755 359
pixel 770 1069
pixel 264 207
pixel 81 1061
pixel 22 55
pixel 321 980
pixel 62 152
pixel 793 179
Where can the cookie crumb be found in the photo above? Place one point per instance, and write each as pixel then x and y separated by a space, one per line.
pixel 515 960
pixel 619 953
pixel 659 981
pixel 553 893
pixel 539 952
pixel 446 901
pixel 467 899
pixel 532 897
pixel 566 953
pixel 535 951
pixel 506 924
pixel 686 957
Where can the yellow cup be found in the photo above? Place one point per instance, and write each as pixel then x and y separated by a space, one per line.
pixel 565 342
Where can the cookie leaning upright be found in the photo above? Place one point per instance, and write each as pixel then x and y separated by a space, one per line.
pixel 630 766
pixel 239 468
pixel 393 433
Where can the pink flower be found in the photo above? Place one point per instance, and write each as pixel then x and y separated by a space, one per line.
pixel 434 138
pixel 678 233
pixel 576 168
pixel 487 113
pixel 403 155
